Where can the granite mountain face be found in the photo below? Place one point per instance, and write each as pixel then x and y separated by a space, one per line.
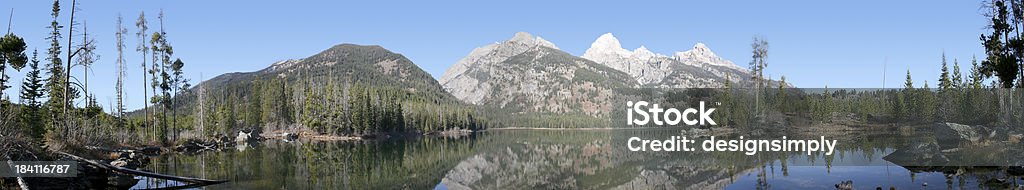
pixel 530 74
pixel 525 74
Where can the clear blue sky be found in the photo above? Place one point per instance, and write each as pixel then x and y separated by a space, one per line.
pixel 813 43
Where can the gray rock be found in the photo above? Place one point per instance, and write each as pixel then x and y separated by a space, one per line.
pixel 921 154
pixel 1015 138
pixel 951 135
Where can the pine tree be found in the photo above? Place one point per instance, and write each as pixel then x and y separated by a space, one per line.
pixel 926 103
pixel 179 84
pixel 369 113
pixel 906 100
pixel 727 103
pixel 400 116
pixel 1000 59
pixel 356 109
pixel 56 83
pixel 12 52
pixel 32 87
pixel 909 85
pixel 758 63
pixel 780 96
pixel 976 77
pixel 311 117
pixel 31 92
pixel 162 52
pixel 55 64
pixel 944 82
pixel 226 114
pixel 958 81
pixel 759 59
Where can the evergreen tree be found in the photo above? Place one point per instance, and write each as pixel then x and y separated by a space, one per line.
pixel 179 84
pixel 1002 45
pixel 909 85
pixel 906 100
pixel 59 95
pixel 55 64
pixel 162 52
pixel 759 59
pixel 944 82
pixel 926 104
pixel 32 87
pixel 310 117
pixel 727 103
pixel 368 113
pixel 31 91
pixel 957 80
pixel 12 52
pixel 400 116
pixel 976 76
pixel 780 96
pixel 356 106
pixel 226 116
pixel 758 63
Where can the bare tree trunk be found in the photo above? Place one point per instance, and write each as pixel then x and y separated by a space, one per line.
pixel 202 108
pixel 67 78
pixel 21 182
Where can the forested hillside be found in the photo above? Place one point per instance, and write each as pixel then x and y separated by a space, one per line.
pixel 346 90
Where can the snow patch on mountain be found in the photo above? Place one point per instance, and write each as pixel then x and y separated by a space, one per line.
pixel 528 39
pixel 690 68
pixel 701 54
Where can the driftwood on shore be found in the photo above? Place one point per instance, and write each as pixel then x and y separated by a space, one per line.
pixel 194 181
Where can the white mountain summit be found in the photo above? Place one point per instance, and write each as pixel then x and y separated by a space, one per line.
pixel 529 74
pixel 695 68
pixel 608 51
pixel 702 54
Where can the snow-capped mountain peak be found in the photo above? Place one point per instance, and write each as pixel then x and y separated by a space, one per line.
pixel 607 41
pixel 699 51
pixel 648 67
pixel 643 53
pixel 606 48
pixel 701 54
pixel 527 38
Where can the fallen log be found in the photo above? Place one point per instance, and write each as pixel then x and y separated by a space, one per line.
pixel 197 181
pixel 21 181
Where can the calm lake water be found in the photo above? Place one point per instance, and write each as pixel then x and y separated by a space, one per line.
pixel 553 159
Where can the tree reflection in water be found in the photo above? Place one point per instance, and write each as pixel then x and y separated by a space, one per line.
pixel 552 159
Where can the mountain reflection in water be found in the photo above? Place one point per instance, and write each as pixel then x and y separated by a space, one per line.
pixel 554 159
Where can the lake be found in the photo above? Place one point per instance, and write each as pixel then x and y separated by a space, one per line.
pixel 555 159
